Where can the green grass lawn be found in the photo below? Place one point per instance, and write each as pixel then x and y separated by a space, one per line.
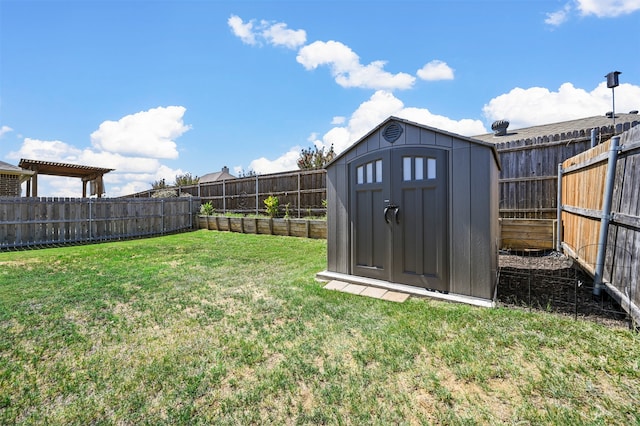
pixel 228 328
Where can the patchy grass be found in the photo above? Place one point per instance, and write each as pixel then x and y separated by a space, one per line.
pixel 229 328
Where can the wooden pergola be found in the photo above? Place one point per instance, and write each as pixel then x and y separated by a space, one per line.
pixel 86 173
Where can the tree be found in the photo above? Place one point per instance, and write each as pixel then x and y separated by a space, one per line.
pixel 248 173
pixel 159 184
pixel 315 158
pixel 186 179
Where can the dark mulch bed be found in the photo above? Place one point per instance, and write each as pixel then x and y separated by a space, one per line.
pixel 553 282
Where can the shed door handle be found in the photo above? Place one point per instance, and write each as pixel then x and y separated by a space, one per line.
pixel 395 213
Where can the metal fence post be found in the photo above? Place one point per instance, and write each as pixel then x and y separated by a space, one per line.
pixel 559 211
pixel 606 214
pixel 299 194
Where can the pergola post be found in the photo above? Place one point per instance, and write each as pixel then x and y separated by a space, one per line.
pixel 34 186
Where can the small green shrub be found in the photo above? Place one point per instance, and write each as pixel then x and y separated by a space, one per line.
pixel 272 204
pixel 207 209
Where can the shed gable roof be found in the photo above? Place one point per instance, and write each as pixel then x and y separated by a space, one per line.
pixel 420 126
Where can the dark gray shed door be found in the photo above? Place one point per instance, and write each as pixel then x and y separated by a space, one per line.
pixel 399 217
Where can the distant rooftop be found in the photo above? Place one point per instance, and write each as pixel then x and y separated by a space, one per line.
pixel 217 176
pixel 10 169
pixel 566 129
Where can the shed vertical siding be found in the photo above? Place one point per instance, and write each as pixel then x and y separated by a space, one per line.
pixel 460 219
pixel 472 205
pixel 481 238
pixel 338 218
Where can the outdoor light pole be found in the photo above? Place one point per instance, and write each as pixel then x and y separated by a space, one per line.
pixel 612 83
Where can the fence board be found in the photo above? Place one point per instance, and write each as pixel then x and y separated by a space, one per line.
pixel 583 187
pixel 528 178
pixel 303 190
pixel 30 222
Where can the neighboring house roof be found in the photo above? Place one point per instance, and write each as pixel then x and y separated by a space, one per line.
pixel 217 176
pixel 9 169
pixel 563 130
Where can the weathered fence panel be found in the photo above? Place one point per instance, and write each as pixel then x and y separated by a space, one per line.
pixel 583 188
pixel 528 178
pixel 29 222
pixel 302 190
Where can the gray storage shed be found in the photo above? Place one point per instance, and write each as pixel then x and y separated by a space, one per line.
pixel 414 208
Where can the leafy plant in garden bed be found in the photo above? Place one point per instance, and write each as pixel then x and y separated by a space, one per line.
pixel 272 204
pixel 206 209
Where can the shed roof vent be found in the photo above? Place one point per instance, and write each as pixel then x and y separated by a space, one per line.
pixel 392 132
pixel 500 127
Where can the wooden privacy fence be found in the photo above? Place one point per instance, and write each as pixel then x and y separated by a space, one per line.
pixel 529 174
pixel 30 222
pixel 303 190
pixel 583 180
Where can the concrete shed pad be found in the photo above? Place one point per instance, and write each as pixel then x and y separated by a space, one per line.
pixel 394 296
pixel 335 285
pixel 361 290
pixel 354 289
pixel 376 293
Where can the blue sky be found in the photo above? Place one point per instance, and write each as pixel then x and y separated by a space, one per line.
pixel 159 88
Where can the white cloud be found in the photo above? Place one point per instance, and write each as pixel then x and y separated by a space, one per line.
pixel 146 133
pixel 369 114
pixel 607 8
pixel 276 34
pixel 559 17
pixel 120 163
pixel 346 67
pixel 242 30
pixel 279 35
pixel 343 62
pixel 59 186
pixel 57 151
pixel 466 126
pixel 129 172
pixel 135 168
pixel 436 70
pixel 597 8
pixel 131 183
pixel 338 120
pixel 538 105
pixel 4 130
pixel 287 161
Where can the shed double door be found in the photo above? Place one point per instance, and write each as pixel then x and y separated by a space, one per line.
pixel 399 217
